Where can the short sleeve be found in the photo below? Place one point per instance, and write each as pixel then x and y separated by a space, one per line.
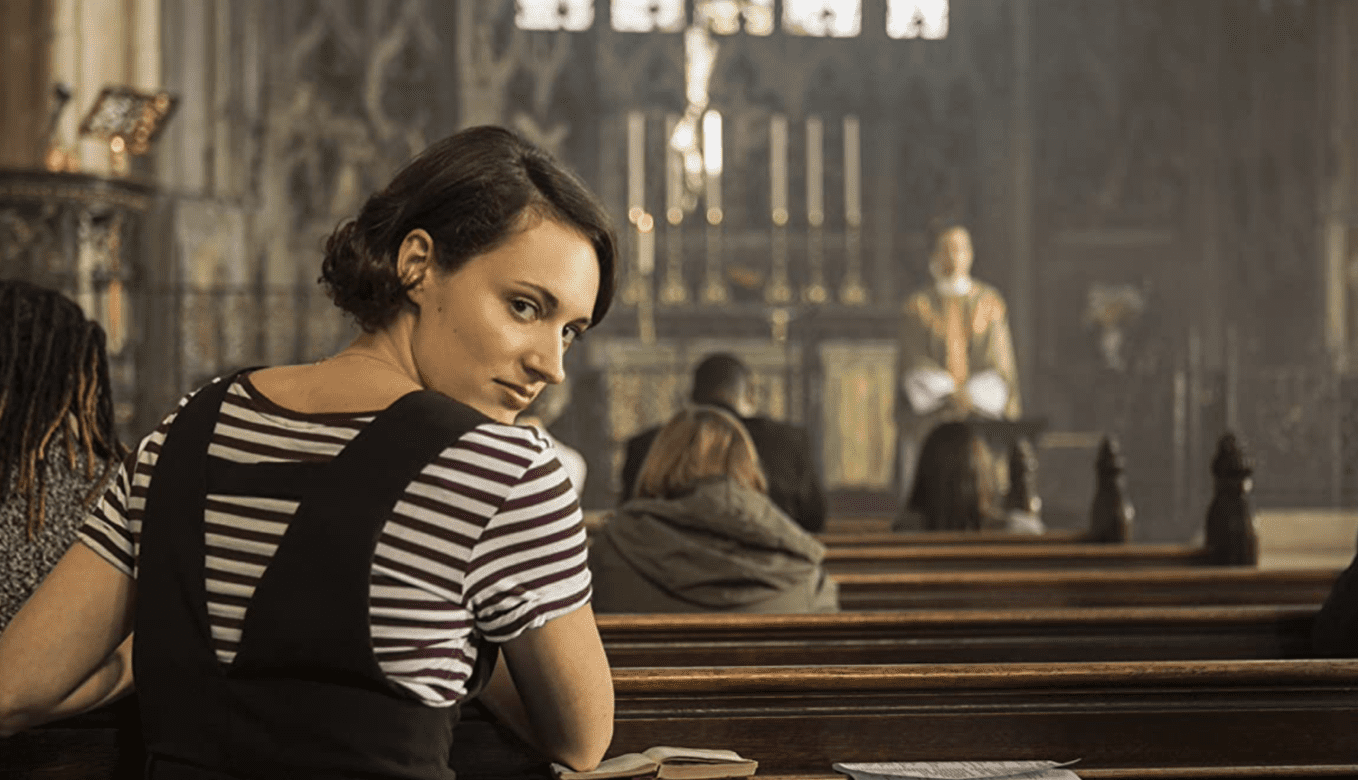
pixel 530 564
pixel 113 527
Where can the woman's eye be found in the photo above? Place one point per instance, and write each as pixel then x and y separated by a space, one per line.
pixel 525 308
pixel 572 334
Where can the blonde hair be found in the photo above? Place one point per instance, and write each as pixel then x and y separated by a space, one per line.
pixel 697 443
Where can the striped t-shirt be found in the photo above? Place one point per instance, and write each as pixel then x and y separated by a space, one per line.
pixel 486 542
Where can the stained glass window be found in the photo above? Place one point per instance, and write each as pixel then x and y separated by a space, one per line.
pixel 917 19
pixel 823 18
pixel 571 15
pixel 725 17
pixel 648 15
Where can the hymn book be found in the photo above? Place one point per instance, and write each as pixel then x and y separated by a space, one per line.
pixel 960 770
pixel 672 763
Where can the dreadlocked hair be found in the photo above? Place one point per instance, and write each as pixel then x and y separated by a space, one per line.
pixel 54 393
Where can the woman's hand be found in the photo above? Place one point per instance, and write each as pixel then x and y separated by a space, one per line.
pixel 554 688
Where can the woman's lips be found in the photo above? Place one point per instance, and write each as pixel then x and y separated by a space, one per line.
pixel 517 393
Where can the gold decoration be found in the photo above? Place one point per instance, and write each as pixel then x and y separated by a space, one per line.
pixel 127 119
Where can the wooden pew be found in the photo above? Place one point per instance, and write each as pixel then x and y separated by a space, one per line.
pixel 1117 715
pixel 1161 720
pixel 1143 720
pixel 1204 586
pixel 960 636
pixel 1071 555
pixel 882 535
pixel 1230 537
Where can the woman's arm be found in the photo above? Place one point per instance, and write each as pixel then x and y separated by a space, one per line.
pixel 560 697
pixel 68 649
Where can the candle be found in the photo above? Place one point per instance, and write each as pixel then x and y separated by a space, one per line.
pixel 674 176
pixel 815 172
pixel 712 164
pixel 853 206
pixel 778 168
pixel 646 244
pixel 636 165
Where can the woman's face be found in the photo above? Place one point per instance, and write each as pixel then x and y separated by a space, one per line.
pixel 494 332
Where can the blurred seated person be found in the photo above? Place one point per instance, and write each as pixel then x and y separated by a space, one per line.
pixel 784 450
pixel 1335 632
pixel 954 488
pixel 701 534
pixel 542 412
pixel 956 354
pixel 58 448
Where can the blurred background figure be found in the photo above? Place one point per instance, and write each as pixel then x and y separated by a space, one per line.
pixel 794 484
pixel 545 409
pixel 1335 631
pixel 954 488
pixel 701 534
pixel 57 444
pixel 956 354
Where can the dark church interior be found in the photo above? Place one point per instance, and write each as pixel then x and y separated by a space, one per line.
pixel 1162 196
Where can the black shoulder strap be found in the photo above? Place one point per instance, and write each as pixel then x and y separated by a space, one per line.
pixel 316 586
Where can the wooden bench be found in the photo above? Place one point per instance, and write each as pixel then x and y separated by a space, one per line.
pixel 1158 719
pixel 876 532
pixel 1229 533
pixel 1072 555
pixel 1202 586
pixel 961 636
pixel 1163 719
pixel 1109 715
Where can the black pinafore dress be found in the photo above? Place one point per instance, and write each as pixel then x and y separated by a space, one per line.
pixel 305 697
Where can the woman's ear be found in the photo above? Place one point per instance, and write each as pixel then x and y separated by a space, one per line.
pixel 415 258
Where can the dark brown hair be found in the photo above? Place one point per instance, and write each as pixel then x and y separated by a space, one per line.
pixel 954 486
pixel 471 192
pixel 54 391
pixel 696 444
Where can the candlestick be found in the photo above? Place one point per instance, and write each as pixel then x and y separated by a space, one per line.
pixel 853 206
pixel 674 176
pixel 815 292
pixel 815 171
pixel 712 164
pixel 645 244
pixel 852 292
pixel 673 291
pixel 636 165
pixel 778 168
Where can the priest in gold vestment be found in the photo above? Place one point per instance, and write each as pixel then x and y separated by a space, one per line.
pixel 956 357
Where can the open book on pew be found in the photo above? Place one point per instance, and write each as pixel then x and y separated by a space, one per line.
pixel 674 763
pixel 960 770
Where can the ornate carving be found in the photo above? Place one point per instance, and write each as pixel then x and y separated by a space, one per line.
pixel 1022 493
pixel 1232 538
pixel 1112 513
pixel 858 416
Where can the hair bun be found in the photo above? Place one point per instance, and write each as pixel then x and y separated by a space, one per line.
pixel 357 281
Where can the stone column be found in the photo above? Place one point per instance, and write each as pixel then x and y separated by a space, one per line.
pixel 24 82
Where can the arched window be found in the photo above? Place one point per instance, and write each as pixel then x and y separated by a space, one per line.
pixel 823 18
pixel 640 16
pixel 917 19
pixel 569 15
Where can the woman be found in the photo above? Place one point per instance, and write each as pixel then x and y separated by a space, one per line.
pixel 57 444
pixel 701 534
pixel 954 488
pixel 442 530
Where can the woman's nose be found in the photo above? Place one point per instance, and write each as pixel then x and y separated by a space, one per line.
pixel 548 360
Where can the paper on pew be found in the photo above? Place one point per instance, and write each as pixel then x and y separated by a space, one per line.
pixel 960 770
